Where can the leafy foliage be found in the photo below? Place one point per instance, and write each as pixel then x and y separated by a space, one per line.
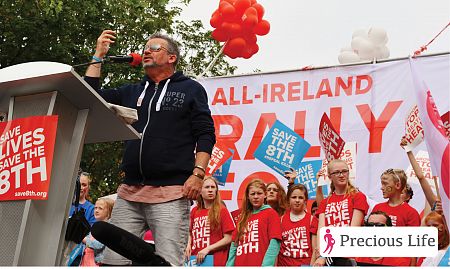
pixel 66 31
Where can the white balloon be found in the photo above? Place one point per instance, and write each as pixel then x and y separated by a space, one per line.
pixel 348 57
pixel 359 32
pixel 381 52
pixel 363 47
pixel 346 49
pixel 384 52
pixel 358 42
pixel 377 35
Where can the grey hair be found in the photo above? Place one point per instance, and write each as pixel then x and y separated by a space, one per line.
pixel 173 46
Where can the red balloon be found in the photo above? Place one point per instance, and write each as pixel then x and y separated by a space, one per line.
pixel 254 48
pixel 235 47
pixel 235 30
pixel 251 11
pixel 250 22
pixel 262 28
pixel 216 19
pixel 226 26
pixel 250 38
pixel 227 50
pixel 260 10
pixel 247 52
pixel 237 43
pixel 241 6
pixel 229 1
pixel 227 10
pixel 219 35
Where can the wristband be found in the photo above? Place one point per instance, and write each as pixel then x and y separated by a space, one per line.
pixel 96 59
pixel 201 168
pixel 198 175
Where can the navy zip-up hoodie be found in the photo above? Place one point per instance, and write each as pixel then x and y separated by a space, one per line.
pixel 177 123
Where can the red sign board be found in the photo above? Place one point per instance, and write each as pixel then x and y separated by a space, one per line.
pixel 446 120
pixel 331 142
pixel 220 154
pixel 26 155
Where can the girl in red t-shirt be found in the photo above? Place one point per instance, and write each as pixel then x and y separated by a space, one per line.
pixel 276 197
pixel 296 248
pixel 256 240
pixel 211 226
pixel 346 206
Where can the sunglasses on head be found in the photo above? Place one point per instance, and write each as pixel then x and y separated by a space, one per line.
pixel 374 224
pixel 391 172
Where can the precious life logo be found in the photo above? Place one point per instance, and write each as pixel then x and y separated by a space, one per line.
pixel 378 241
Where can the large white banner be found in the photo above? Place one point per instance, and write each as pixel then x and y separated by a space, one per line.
pixel 367 104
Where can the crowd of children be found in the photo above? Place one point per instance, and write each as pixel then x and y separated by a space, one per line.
pixel 275 229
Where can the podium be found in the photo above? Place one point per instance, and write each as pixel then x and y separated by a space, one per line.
pixel 32 231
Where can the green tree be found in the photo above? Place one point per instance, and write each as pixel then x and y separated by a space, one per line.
pixel 66 31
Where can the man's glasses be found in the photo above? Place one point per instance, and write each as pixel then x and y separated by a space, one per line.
pixel 155 48
pixel 337 173
pixel 375 224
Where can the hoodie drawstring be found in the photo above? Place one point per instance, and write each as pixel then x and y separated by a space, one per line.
pixel 141 97
pixel 161 96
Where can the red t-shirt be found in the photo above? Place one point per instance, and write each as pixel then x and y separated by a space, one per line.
pixel 202 236
pixel 386 261
pixel 235 214
pixel 314 225
pixel 296 248
pixel 262 227
pixel 338 209
pixel 401 215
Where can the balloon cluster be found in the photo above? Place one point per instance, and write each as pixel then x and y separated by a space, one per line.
pixel 365 46
pixel 238 22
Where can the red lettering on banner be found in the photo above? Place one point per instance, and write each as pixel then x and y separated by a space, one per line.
pixel 265 89
pixel 276 91
pixel 324 89
pixel 232 101
pixel 265 121
pixel 230 139
pixel 245 100
pixel 290 91
pixel 377 126
pixel 359 80
pixel 294 91
pixel 306 96
pixel 340 84
pixel 219 97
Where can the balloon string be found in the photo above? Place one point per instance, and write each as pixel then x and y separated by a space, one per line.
pixel 213 61
pixel 423 48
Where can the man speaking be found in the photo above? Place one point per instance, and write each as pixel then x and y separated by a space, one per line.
pixel 162 172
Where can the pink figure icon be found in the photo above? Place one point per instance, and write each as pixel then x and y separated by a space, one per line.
pixel 328 237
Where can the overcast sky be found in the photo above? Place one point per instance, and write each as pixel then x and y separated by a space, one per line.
pixel 313 32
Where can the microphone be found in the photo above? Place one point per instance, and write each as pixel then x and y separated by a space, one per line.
pixel 134 59
pixel 127 244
